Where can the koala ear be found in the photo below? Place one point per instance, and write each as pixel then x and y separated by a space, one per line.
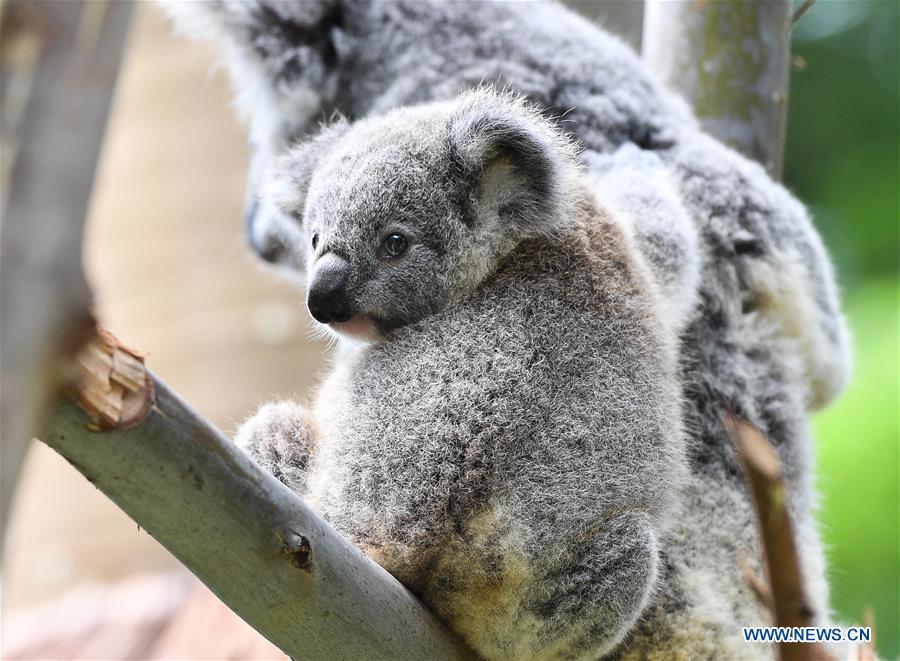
pixel 513 165
pixel 287 181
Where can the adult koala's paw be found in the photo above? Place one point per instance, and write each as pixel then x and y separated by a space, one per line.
pixel 280 437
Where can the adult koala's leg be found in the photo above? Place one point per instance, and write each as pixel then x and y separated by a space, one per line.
pixel 589 597
pixel 280 437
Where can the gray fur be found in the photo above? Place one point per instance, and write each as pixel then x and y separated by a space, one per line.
pixel 766 339
pixel 507 441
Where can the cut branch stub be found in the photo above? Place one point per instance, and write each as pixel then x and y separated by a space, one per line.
pixel 113 387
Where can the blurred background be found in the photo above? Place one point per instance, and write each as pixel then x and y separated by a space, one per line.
pixel 165 257
pixel 842 157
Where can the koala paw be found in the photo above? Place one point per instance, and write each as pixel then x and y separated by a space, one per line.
pixel 280 437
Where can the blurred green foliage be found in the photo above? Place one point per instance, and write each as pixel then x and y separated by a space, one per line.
pixel 843 160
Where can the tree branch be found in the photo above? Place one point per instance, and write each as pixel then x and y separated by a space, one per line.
pixel 242 532
pixel 801 10
pixel 729 59
pixel 789 604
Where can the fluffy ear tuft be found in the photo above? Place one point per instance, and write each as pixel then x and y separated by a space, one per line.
pixel 514 165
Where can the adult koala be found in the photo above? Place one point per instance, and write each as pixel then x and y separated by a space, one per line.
pixel 502 430
pixel 768 341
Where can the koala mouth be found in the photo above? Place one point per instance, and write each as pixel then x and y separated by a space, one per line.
pixel 360 328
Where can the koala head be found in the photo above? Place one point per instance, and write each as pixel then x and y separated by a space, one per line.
pixel 395 217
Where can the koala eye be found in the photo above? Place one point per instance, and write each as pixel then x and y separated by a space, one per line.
pixel 315 240
pixel 395 245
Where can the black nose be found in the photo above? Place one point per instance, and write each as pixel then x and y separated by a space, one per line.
pixel 327 295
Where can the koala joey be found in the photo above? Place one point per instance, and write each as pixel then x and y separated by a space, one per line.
pixel 501 428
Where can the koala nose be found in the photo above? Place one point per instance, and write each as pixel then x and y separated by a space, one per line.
pixel 327 294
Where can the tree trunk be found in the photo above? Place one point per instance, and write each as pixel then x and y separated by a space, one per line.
pixel 729 59
pixel 59 65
